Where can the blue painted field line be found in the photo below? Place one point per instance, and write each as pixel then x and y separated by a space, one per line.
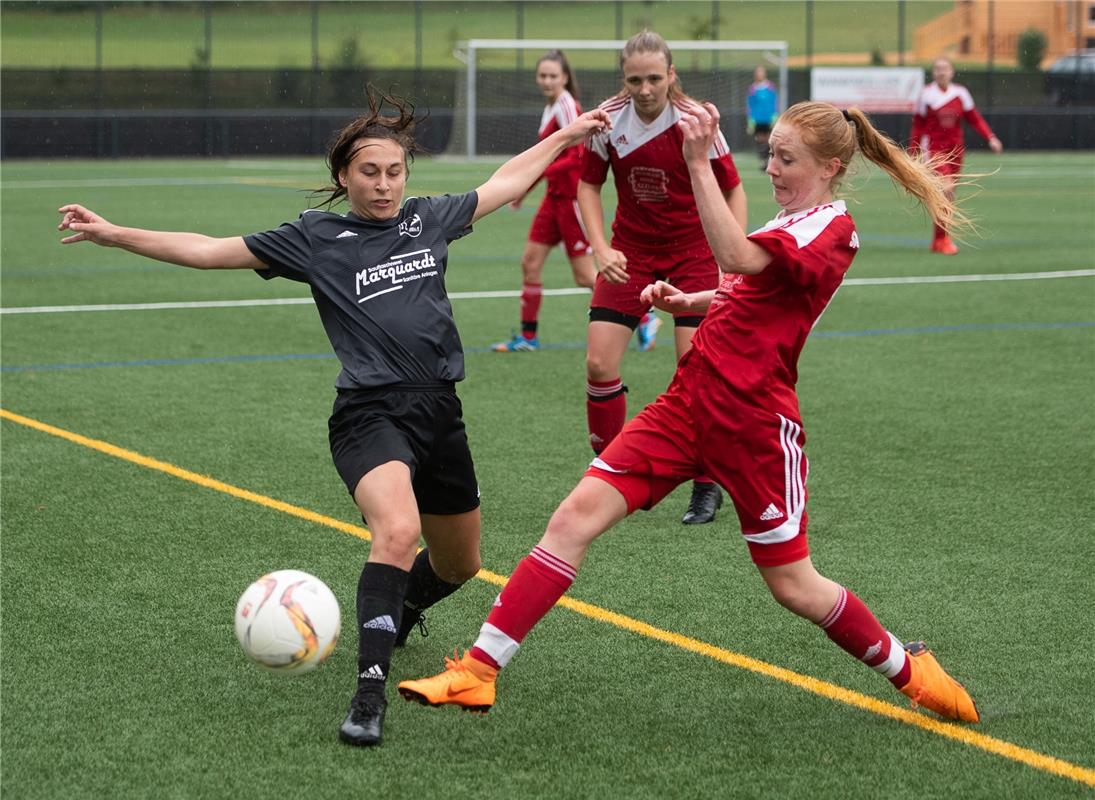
pixel 176 362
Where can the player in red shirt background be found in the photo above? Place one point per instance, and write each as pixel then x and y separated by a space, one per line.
pixel 557 220
pixel 732 410
pixel 937 134
pixel 656 233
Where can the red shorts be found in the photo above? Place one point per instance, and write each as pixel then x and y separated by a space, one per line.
pixel 700 426
pixel 558 220
pixel 692 269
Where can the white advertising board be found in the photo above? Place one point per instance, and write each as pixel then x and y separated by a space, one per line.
pixel 872 89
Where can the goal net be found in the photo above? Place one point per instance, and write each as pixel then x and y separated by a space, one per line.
pixel 497 106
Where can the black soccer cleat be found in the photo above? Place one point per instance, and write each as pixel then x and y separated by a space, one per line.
pixel 706 500
pixel 364 724
pixel 411 619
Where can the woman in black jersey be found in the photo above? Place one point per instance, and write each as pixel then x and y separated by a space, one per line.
pixel 396 432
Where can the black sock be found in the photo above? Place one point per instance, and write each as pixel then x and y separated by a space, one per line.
pixel 380 593
pixel 424 587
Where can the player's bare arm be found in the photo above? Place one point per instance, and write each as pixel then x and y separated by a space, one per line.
pixel 729 244
pixel 610 263
pixel 738 204
pixel 513 179
pixel 186 249
pixel 667 297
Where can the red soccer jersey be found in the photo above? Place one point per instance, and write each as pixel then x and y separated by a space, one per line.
pixel 757 324
pixel 656 209
pixel 562 173
pixel 937 122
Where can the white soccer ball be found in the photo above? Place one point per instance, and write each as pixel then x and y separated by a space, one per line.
pixel 288 621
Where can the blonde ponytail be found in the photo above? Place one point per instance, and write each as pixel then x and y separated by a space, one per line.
pixel 832 133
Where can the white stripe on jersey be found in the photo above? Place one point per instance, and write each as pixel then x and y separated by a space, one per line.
pixel 564 111
pixel 807 225
pixel 931 96
pixel 629 132
pixel 794 487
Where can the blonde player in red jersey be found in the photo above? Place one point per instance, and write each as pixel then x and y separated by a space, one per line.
pixel 732 410
pixel 557 220
pixel 656 233
pixel 937 134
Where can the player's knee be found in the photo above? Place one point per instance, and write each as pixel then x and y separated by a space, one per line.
pixel 531 268
pixel 570 523
pixel 600 368
pixel 397 539
pixel 459 573
pixel 792 595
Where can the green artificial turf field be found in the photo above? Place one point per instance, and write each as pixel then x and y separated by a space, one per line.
pixel 951 428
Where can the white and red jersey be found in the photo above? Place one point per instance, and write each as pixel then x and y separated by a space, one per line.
pixel 562 173
pixel 757 324
pixel 937 121
pixel 656 209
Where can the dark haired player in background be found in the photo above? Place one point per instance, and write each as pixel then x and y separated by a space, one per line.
pixel 557 219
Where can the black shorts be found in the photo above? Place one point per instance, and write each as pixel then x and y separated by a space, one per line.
pixel 420 426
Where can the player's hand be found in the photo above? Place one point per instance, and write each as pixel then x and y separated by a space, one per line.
pixel 589 123
pixel 87 226
pixel 995 145
pixel 700 125
pixel 665 297
pixel 612 264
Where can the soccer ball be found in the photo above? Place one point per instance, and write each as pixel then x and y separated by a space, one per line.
pixel 288 621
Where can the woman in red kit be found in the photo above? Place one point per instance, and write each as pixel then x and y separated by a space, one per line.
pixel 656 235
pixel 937 134
pixel 732 409
pixel 558 219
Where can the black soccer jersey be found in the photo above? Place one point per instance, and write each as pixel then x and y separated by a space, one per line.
pixel 379 287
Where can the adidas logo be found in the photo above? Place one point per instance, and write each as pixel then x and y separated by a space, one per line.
pixel 498 601
pixel 374 673
pixel 872 651
pixel 346 235
pixel 771 513
pixel 384 623
pixel 596 439
pixel 621 139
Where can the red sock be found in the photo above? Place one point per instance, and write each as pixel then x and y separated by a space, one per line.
pixel 938 232
pixel 606 410
pixel 535 586
pixel 854 628
pixel 531 295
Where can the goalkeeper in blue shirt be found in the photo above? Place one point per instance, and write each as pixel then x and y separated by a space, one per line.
pixel 763 103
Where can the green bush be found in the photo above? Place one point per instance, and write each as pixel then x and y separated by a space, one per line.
pixel 1031 48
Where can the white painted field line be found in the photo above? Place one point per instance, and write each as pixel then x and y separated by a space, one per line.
pixel 294 301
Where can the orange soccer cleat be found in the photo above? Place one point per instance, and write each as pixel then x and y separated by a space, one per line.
pixel 930 686
pixel 467 683
pixel 944 246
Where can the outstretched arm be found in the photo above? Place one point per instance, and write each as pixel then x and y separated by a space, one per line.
pixel 732 249
pixel 511 180
pixel 186 249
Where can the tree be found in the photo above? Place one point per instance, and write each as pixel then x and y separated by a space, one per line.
pixel 1031 49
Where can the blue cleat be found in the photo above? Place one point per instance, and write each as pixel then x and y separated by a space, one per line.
pixel 517 344
pixel 648 331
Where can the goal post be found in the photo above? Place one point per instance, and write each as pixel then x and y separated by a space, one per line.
pixel 504 92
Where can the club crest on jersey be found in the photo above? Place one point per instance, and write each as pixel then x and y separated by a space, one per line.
pixel 649 184
pixel 411 227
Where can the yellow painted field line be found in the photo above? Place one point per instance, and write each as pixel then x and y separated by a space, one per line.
pixel 966 735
